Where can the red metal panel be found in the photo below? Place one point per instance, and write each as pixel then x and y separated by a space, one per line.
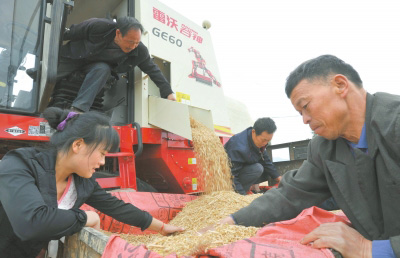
pixel 151 135
pixel 175 141
pixel 126 161
pixel 183 165
pixel 170 166
pixel 120 154
pixel 109 182
pixel 16 127
pixel 127 169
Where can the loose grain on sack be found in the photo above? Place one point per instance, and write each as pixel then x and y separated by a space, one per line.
pixel 197 214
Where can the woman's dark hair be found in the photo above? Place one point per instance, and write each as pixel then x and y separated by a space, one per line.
pixel 93 127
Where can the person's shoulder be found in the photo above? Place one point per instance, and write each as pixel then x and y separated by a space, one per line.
pixel 238 140
pixel 142 48
pixel 26 153
pixel 99 25
pixel 18 157
pixel 386 100
pixel 385 118
pixel 384 108
pixel 101 20
pixel 244 133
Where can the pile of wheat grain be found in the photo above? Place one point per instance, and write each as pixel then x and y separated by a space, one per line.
pixel 218 202
pixel 197 214
pixel 212 161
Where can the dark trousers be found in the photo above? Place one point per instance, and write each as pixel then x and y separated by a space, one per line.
pixel 96 77
pixel 252 174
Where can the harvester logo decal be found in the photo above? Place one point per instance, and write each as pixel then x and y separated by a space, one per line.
pixel 15 131
pixel 206 76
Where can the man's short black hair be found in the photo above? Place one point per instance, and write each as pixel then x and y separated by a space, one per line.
pixel 124 24
pixel 320 68
pixel 264 124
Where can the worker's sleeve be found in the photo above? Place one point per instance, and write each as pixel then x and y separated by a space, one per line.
pixel 151 69
pixel 298 189
pixel 269 167
pixel 86 29
pixel 381 249
pixel 30 217
pixel 235 169
pixel 118 209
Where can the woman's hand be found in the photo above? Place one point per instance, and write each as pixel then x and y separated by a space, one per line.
pixel 93 220
pixel 162 228
pixel 169 229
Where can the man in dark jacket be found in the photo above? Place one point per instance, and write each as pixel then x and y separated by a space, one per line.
pixel 355 158
pixel 99 46
pixel 246 150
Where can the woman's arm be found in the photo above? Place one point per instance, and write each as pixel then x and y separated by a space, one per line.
pixel 126 212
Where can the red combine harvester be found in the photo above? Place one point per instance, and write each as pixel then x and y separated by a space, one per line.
pixel 156 152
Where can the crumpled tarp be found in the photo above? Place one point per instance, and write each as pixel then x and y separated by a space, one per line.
pixel 280 239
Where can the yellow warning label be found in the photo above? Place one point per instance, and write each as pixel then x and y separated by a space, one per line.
pixel 192 161
pixel 194 184
pixel 183 98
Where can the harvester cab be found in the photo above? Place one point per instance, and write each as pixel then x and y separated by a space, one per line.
pixel 157 129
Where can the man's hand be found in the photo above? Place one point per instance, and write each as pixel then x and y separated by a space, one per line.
pixel 340 237
pixel 228 220
pixel 171 97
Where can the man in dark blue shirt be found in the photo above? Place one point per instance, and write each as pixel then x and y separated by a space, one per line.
pixel 246 150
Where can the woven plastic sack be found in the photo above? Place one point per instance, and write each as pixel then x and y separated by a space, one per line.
pixel 160 205
pixel 280 239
